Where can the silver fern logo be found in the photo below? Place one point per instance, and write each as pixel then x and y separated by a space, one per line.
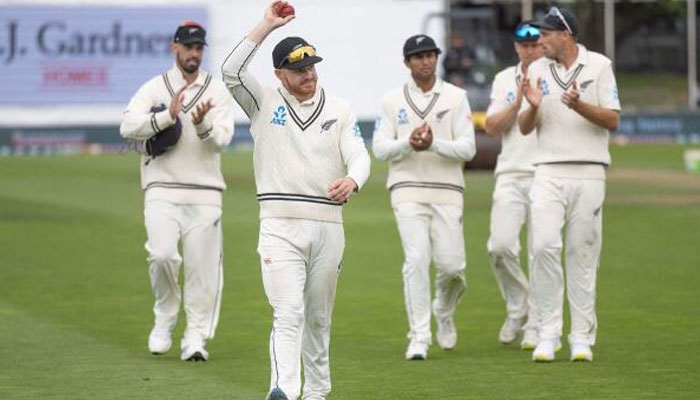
pixel 326 125
pixel 440 115
pixel 585 84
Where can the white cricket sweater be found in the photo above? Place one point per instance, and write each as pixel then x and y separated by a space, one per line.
pixel 300 148
pixel 434 175
pixel 190 172
pixel 563 135
pixel 517 150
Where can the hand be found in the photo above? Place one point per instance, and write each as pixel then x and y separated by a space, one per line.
pixel 340 190
pixel 533 95
pixel 271 17
pixel 421 138
pixel 571 98
pixel 200 111
pixel 176 102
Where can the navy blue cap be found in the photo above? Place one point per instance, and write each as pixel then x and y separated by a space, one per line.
pixel 558 19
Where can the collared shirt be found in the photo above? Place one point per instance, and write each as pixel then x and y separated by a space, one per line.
pixel 564 136
pixel 306 107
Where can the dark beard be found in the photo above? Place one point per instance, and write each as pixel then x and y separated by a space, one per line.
pixel 190 69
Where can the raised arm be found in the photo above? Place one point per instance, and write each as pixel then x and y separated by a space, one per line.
pixel 242 85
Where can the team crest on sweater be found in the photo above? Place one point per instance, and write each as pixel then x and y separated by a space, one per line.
pixel 441 114
pixel 584 85
pixel 402 118
pixel 326 125
pixel 280 117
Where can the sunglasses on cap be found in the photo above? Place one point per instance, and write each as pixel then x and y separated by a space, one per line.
pixel 556 13
pixel 526 32
pixel 298 55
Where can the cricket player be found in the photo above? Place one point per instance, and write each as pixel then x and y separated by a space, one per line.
pixel 183 185
pixel 573 104
pixel 511 204
pixel 425 132
pixel 309 159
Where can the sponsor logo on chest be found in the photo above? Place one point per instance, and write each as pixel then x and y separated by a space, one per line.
pixel 402 117
pixel 280 116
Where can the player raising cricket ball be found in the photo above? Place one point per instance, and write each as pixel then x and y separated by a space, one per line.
pixel 309 159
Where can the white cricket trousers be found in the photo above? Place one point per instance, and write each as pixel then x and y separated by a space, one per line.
pixel 198 228
pixel 577 205
pixel 431 231
pixel 300 262
pixel 509 213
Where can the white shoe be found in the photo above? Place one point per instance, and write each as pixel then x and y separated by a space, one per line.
pixel 544 352
pixel 159 341
pixel 193 351
pixel 530 339
pixel 446 330
pixel 417 350
pixel 581 352
pixel 510 330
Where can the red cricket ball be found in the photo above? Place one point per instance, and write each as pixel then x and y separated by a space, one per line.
pixel 285 11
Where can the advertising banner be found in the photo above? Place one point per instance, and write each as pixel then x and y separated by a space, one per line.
pixel 84 55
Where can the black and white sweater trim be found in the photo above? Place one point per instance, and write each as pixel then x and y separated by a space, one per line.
pixel 421 113
pixel 296 198
pixel 187 107
pixel 565 85
pixel 177 185
pixel 426 185
pixel 317 112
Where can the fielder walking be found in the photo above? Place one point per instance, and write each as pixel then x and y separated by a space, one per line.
pixel 182 181
pixel 573 104
pixel 425 132
pixel 309 159
pixel 511 204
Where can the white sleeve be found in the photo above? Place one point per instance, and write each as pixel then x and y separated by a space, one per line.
pixel 499 97
pixel 354 152
pixel 218 126
pixel 463 147
pixel 242 85
pixel 608 96
pixel 385 145
pixel 138 122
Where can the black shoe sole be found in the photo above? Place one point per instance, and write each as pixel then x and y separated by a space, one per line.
pixel 196 357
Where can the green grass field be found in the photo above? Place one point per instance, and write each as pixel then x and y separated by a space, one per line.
pixel 75 302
